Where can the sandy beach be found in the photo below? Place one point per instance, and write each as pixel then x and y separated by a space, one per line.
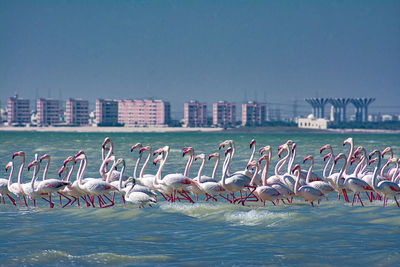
pixel 95 129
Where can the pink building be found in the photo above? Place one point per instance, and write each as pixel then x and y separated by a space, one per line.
pixel 106 112
pixel 195 114
pixel 253 113
pixel 224 114
pixel 18 111
pixel 48 111
pixel 77 111
pixel 144 112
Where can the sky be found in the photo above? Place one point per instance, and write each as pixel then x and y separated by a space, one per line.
pixel 268 51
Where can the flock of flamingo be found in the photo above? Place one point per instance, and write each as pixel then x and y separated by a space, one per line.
pixel 250 184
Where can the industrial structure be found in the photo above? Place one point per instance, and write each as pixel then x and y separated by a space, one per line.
pixel 339 107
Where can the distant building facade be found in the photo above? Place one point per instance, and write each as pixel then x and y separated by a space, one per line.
pixel 195 114
pixel 224 114
pixel 312 123
pixel 106 112
pixel 18 111
pixel 77 111
pixel 144 112
pixel 48 111
pixel 253 113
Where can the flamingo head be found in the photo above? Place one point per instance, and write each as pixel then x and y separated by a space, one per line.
pixel 157 159
pixel 223 144
pixel 296 168
pixel 112 158
pixel 200 156
pixel 263 157
pixel 289 142
pixel 19 154
pixel 386 150
pixel 310 157
pixel 81 152
pixel 45 156
pixel 358 151
pixel 34 163
pixel 69 159
pixel 327 156
pixel 136 146
pixel 354 159
pixel 340 156
pixel 106 141
pixel 375 152
pixel 283 147
pixel 348 141
pixel 146 148
pixel 62 169
pixel 10 164
pixel 372 161
pixel 229 150
pixel 216 154
pixel 327 146
pixel 252 143
pixel 252 164
pixel 188 150
pixel 265 149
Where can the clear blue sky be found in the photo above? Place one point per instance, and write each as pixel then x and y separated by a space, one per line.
pixel 204 50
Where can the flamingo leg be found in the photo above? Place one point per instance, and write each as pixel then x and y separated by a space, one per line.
pixel 346 198
pixel 312 204
pixel 69 200
pixel 396 201
pixel 353 199
pixel 111 204
pixel 12 199
pixel 20 204
pixel 358 196
pixel 3 200
pixel 226 198
pixel 26 203
pixel 49 201
pixel 369 197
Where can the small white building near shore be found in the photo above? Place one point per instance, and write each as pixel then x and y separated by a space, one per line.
pixel 312 123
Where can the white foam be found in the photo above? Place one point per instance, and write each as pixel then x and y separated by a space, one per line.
pixel 256 217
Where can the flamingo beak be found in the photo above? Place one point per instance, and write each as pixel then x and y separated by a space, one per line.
pixel 252 143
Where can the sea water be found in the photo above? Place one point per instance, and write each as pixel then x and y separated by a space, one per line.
pixel 204 233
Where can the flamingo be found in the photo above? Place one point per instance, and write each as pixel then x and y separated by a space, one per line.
pixel 265 192
pixel 386 188
pixel 175 182
pixel 308 193
pixel 92 186
pixel 114 174
pixel 354 184
pixel 16 188
pixel 392 172
pixel 4 184
pixel 209 187
pixel 49 186
pixel 324 187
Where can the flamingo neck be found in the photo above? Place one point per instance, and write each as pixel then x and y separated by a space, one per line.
pixel 188 165
pixel 290 164
pixel 103 167
pixel 280 164
pixel 394 177
pixel 10 177
pixel 252 154
pixel 203 163
pixel 35 176
pixel 224 169
pixel 79 170
pixel 215 168
pixel 145 165
pixel 108 178
pixel 376 170
pixel 297 183
pixel 309 171
pixel 20 171
pixel 68 177
pixel 121 174
pixel 265 171
pixel 254 175
pixel 340 181
pixel 159 172
pixel 349 156
pixel 46 169
pixel 326 166
pixel 82 172
pixel 232 154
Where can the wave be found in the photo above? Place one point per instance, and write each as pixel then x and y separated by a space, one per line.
pixel 106 258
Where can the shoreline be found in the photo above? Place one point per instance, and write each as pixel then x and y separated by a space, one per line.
pixel 278 129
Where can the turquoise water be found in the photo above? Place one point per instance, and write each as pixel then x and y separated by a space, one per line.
pixel 333 233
